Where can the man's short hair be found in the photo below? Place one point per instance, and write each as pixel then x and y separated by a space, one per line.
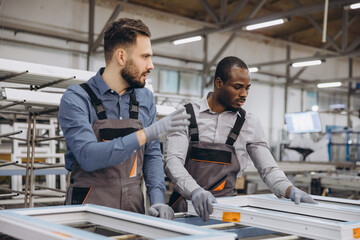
pixel 123 33
pixel 224 66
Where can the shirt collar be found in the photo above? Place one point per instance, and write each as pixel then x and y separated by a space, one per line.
pixel 100 83
pixel 204 105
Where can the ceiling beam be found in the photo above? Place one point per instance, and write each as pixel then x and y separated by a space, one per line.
pixel 317 27
pixel 256 9
pixel 298 11
pixel 344 29
pixel 351 54
pixel 23 28
pixel 223 10
pixel 124 3
pixel 340 31
pixel 234 26
pixel 239 6
pixel 353 45
pixel 222 49
pixel 209 10
pixel 99 39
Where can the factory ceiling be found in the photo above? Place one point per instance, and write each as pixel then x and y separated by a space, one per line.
pixel 304 19
pixel 321 24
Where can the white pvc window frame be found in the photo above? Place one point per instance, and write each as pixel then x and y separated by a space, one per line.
pixel 325 220
pixel 51 223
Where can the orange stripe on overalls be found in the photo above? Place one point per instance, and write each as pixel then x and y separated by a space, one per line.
pixel 133 170
pixel 86 196
pixel 220 187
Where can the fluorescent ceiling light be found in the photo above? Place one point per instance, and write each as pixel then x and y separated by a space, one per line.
pixel 187 40
pixel 327 85
pixel 307 63
pixel 355 6
pixel 253 69
pixel 265 24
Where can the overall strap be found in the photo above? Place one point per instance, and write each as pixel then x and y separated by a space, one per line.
pixel 234 133
pixel 134 106
pixel 193 128
pixel 95 101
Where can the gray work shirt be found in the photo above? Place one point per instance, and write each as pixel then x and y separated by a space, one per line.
pixel 214 127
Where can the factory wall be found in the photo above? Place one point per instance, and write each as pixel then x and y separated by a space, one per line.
pixel 266 97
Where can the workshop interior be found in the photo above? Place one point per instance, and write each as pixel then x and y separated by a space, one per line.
pixel 302 59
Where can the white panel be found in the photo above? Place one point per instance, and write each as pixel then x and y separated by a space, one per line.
pixel 32 97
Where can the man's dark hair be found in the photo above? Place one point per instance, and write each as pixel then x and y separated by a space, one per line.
pixel 224 66
pixel 123 32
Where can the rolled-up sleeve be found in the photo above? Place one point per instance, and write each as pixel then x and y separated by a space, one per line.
pixel 81 140
pixel 264 162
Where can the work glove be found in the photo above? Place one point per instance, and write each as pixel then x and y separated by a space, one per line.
pixel 202 201
pixel 297 196
pixel 176 121
pixel 161 210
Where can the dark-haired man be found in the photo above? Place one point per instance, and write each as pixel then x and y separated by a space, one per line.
pixel 110 127
pixel 204 160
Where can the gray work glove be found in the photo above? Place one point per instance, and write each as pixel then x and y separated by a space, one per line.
pixel 202 201
pixel 297 196
pixel 161 210
pixel 176 121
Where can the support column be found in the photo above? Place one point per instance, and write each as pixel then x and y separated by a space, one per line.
pixel 288 79
pixel 350 91
pixel 91 31
pixel 205 70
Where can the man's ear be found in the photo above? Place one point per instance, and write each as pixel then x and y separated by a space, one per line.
pixel 218 83
pixel 121 56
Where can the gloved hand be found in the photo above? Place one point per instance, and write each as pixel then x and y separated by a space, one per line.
pixel 161 210
pixel 176 121
pixel 297 196
pixel 202 201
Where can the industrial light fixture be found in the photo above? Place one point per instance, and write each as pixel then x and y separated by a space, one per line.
pixel 253 69
pixel 265 24
pixel 306 63
pixel 330 84
pixel 352 6
pixel 355 6
pixel 187 40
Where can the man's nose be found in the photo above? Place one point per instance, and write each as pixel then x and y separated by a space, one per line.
pixel 243 92
pixel 150 65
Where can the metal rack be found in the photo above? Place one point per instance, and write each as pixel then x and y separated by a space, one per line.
pixel 344 143
pixel 35 104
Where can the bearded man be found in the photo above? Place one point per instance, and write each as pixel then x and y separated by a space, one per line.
pixel 110 128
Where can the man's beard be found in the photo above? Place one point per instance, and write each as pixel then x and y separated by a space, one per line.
pixel 132 76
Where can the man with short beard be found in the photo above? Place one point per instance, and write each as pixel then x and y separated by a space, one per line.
pixel 204 161
pixel 110 128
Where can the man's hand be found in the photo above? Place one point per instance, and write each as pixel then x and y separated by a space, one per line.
pixel 176 121
pixel 161 210
pixel 297 196
pixel 202 201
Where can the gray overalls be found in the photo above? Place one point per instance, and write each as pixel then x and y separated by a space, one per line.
pixel 214 166
pixel 118 186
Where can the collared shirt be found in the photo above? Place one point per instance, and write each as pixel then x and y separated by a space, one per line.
pixel 215 128
pixel 77 116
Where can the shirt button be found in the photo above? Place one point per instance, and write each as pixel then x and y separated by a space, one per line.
pixel 112 91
